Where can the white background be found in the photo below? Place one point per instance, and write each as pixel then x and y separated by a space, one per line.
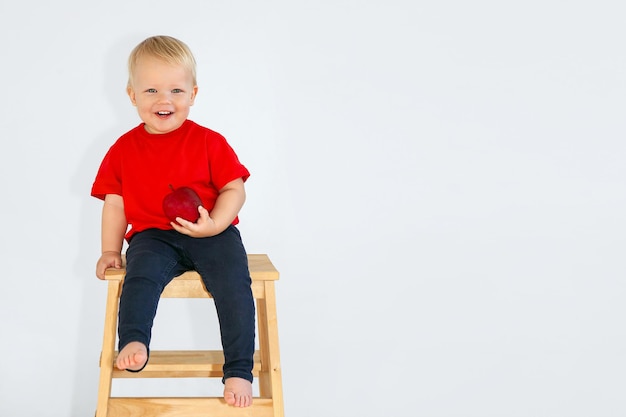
pixel 440 184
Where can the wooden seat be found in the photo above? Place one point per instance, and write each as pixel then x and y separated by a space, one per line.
pixel 196 363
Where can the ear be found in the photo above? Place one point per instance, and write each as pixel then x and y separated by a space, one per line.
pixel 194 93
pixel 131 95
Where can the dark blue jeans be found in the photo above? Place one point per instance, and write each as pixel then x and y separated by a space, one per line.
pixel 154 257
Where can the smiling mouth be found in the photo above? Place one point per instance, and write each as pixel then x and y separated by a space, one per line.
pixel 164 113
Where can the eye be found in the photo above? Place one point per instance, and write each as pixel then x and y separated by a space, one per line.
pixel 151 90
pixel 177 91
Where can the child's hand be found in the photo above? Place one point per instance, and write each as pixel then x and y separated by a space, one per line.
pixel 205 226
pixel 107 260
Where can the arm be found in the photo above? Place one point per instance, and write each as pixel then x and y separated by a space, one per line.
pixel 114 227
pixel 229 201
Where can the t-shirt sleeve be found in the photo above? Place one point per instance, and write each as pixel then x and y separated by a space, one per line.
pixel 108 179
pixel 224 163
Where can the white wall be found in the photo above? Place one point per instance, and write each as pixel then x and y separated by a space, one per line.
pixel 441 185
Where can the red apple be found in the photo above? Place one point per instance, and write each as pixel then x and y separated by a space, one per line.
pixel 182 202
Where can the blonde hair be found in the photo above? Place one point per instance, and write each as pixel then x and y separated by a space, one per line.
pixel 165 48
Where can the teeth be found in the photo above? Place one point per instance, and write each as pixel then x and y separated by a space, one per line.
pixel 164 113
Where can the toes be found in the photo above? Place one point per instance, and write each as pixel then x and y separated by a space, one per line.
pixel 120 363
pixel 229 397
pixel 238 392
pixel 237 400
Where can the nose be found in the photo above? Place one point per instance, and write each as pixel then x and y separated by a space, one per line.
pixel 163 97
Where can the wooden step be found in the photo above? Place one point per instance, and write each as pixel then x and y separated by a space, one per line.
pixel 183 364
pixel 186 407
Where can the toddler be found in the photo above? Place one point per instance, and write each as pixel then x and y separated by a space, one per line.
pixel 135 175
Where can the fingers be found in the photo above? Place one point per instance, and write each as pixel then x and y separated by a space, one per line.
pixel 201 228
pixel 204 213
pixel 184 223
pixel 100 270
pixel 183 226
pixel 105 262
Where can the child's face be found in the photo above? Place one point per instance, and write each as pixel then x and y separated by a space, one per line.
pixel 162 93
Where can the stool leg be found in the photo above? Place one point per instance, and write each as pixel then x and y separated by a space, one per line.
pixel 108 348
pixel 270 383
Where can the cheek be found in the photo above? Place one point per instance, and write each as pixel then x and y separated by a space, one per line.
pixel 143 106
pixel 184 102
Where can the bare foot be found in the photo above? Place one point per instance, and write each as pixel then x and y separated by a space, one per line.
pixel 238 392
pixel 133 356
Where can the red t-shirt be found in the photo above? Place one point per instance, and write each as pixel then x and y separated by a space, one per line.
pixel 141 166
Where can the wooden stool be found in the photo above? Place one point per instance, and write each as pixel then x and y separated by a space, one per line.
pixel 198 363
